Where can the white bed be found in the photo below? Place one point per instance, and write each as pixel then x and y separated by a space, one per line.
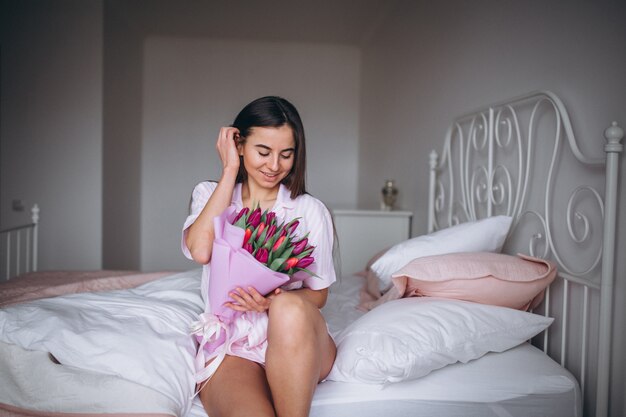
pixel 108 371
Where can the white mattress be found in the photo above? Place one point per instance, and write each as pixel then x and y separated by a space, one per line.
pixel 519 382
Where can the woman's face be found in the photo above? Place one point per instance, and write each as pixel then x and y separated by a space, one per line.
pixel 268 155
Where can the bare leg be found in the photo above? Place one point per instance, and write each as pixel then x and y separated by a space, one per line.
pixel 300 353
pixel 238 388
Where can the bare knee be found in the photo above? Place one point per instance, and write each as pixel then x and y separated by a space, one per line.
pixel 291 317
pixel 287 307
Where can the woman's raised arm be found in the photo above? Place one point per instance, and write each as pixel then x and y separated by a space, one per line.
pixel 200 235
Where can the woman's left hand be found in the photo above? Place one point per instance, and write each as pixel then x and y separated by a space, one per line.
pixel 251 300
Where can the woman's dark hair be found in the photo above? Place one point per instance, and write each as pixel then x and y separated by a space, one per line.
pixel 272 111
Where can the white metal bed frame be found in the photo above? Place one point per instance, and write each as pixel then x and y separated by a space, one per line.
pixel 15 264
pixel 491 188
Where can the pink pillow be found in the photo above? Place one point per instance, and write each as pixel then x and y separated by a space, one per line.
pixel 483 277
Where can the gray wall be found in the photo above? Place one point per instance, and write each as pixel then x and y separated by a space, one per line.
pixel 436 60
pixel 51 125
pixel 108 129
pixel 121 141
pixel 192 87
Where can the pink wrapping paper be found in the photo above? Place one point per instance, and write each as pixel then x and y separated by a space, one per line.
pixel 232 267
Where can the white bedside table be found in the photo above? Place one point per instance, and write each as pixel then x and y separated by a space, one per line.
pixel 364 233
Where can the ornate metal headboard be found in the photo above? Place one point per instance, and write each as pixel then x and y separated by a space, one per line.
pixel 510 158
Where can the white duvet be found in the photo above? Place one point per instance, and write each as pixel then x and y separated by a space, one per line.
pixel 141 334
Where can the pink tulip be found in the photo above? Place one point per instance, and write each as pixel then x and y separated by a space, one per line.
pixel 290 263
pixel 306 261
pixel 246 235
pixel 278 242
pixel 262 255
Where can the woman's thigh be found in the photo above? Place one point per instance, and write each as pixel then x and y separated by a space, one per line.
pixel 293 323
pixel 238 388
pixel 329 353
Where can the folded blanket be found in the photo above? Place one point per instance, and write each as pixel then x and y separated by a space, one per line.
pixel 37 285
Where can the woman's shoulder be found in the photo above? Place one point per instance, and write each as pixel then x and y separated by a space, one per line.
pixel 207 186
pixel 311 205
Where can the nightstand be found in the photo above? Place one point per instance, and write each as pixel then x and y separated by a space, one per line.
pixel 363 233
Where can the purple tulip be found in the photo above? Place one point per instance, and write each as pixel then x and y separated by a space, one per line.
pixel 262 255
pixel 255 218
pixel 293 226
pixel 269 217
pixel 241 213
pixel 304 262
pixel 248 247
pixel 300 246
pixel 270 232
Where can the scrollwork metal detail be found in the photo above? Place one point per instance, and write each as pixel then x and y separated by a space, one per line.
pixel 537 237
pixel 488 185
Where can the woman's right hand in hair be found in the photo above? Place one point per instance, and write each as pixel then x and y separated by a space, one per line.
pixel 227 148
pixel 201 233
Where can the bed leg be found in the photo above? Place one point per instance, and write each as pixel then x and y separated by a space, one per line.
pixel 613 148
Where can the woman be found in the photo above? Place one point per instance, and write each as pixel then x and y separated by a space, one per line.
pixel 263 156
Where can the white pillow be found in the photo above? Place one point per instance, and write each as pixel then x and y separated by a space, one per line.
pixel 485 235
pixel 410 337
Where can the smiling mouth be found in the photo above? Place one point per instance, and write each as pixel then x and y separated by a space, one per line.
pixel 268 175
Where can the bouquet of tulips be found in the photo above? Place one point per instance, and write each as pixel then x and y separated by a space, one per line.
pixel 272 244
pixel 252 249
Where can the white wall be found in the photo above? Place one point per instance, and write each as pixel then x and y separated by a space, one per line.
pixel 432 61
pixel 192 87
pixel 51 130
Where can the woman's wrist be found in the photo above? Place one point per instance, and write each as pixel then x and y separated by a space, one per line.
pixel 230 173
